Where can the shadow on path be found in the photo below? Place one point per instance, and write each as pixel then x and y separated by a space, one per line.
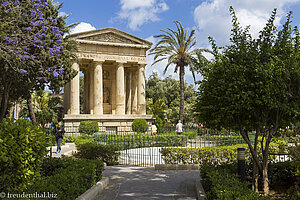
pixel 143 183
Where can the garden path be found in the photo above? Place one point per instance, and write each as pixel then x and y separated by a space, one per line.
pixel 145 183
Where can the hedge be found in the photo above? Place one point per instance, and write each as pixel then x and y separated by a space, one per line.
pixel 222 184
pixel 139 125
pixel 88 127
pixel 216 155
pixel 67 177
pixel 92 150
pixel 140 140
pixel 22 150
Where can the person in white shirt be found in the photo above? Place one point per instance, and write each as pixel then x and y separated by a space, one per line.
pixel 179 127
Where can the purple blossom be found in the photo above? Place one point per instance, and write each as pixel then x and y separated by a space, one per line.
pixel 58 36
pixel 54 28
pixel 17 2
pixel 41 72
pixel 44 22
pixel 11 51
pixel 4 4
pixel 61 70
pixel 54 21
pixel 28 29
pixel 51 52
pixel 55 74
pixel 49 69
pixel 46 4
pixel 38 34
pixel 23 71
pixel 8 40
pixel 45 28
pixel 59 41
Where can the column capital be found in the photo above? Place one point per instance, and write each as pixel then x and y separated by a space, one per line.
pixel 121 62
pixel 142 65
pixel 95 63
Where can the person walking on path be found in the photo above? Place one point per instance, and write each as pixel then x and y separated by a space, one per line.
pixel 179 127
pixel 59 131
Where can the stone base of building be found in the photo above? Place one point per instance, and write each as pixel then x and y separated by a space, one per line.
pixel 113 124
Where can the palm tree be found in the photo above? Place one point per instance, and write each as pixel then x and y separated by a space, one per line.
pixel 176 47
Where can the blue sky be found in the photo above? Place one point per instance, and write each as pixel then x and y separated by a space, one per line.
pixel 145 18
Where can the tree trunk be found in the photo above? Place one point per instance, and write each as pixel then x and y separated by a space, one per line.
pixel 3 104
pixel 255 178
pixel 255 175
pixel 265 152
pixel 4 101
pixel 253 153
pixel 265 179
pixel 30 109
pixel 181 78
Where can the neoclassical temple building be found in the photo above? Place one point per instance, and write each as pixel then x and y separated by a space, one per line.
pixel 113 63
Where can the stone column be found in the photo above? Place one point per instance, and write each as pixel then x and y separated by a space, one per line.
pixel 134 92
pixel 120 87
pixel 91 87
pixel 128 92
pixel 67 98
pixel 74 96
pixel 141 90
pixel 98 89
pixel 113 91
pixel 86 92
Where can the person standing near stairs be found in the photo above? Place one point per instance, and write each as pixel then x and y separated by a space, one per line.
pixel 59 131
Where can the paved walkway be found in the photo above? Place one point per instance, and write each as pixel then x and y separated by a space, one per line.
pixel 145 183
pixel 65 150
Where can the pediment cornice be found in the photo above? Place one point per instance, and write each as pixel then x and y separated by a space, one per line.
pixel 112 37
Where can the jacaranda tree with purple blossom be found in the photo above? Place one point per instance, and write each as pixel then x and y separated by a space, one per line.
pixel 33 50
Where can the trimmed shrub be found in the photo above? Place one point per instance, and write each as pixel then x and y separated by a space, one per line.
pixel 217 155
pixel 140 140
pixel 159 124
pixel 139 125
pixel 22 148
pixel 223 184
pixel 67 177
pixel 88 127
pixel 92 150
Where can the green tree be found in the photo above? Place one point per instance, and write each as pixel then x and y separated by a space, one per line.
pixel 176 48
pixel 33 50
pixel 47 108
pixel 168 90
pixel 253 85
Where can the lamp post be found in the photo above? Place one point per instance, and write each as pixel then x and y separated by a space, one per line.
pixel 241 163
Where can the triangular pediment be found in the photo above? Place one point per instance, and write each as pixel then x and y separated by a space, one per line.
pixel 110 35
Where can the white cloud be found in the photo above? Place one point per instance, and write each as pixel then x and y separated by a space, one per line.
pixel 139 12
pixel 212 17
pixel 61 14
pixel 82 27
